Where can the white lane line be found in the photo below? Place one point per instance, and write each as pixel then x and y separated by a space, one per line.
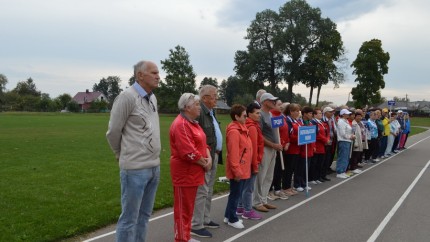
pixel 250 229
pixel 387 218
pixel 150 220
pixel 303 202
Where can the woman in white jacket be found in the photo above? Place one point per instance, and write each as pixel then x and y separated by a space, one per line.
pixel 344 137
pixel 359 143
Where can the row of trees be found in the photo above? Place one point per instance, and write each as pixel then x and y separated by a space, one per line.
pixel 294 45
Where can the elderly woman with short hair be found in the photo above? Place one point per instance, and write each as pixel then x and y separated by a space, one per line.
pixel 189 160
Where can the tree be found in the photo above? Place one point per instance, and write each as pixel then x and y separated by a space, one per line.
pixel 222 90
pixel 209 81
pixel 370 66
pixel 320 64
pixel 64 99
pixel 27 88
pixel 235 89
pixel 110 87
pixel 131 81
pixel 262 62
pixel 180 78
pixel 3 82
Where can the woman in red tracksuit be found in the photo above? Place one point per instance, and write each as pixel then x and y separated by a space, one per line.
pixel 238 166
pixel 323 138
pixel 300 176
pixel 292 113
pixel 189 160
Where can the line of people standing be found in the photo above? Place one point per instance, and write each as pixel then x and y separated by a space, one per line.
pixel 262 163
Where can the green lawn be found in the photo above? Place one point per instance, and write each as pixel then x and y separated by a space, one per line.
pixel 60 178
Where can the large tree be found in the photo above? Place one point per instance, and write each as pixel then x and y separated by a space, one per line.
pixel 370 66
pixel 64 99
pixel 262 61
pixel 322 62
pixel 209 81
pixel 28 87
pixel 110 87
pixel 3 82
pixel 180 78
pixel 302 29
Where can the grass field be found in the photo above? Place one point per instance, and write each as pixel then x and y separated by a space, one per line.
pixel 60 178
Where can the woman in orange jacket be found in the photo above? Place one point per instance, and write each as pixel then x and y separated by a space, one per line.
pixel 238 166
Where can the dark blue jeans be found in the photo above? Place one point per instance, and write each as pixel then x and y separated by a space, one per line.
pixel 382 145
pixel 233 200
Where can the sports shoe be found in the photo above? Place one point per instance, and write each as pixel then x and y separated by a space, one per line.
pixel 313 182
pixel 272 196
pixel 300 189
pixel 349 174
pixel 203 233
pixel 261 208
pixel 269 206
pixel 376 160
pixel 308 187
pixel 357 171
pixel 236 225
pixel 341 175
pixel 211 225
pixel 253 215
pixel 290 192
pixel 240 211
pixel 360 165
pixel 281 195
pixel 226 220
pixel 193 240
pixel 319 182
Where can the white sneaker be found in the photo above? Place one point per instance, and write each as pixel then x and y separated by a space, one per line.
pixel 237 225
pixel 300 189
pixel 308 187
pixel 281 195
pixel 313 182
pixel 357 171
pixel 193 240
pixel 226 220
pixel 342 176
pixel 318 181
pixel 377 160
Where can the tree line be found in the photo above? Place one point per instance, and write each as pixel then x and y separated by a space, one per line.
pixel 292 46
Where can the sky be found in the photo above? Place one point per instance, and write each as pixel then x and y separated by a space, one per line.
pixel 66 46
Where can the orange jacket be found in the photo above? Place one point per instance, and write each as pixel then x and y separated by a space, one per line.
pixel 239 151
pixel 257 141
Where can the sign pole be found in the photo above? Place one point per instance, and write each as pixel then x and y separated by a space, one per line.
pixel 280 152
pixel 307 185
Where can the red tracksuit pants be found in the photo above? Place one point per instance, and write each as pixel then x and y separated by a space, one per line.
pixel 183 209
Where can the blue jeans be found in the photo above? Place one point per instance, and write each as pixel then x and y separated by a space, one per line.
pixel 245 200
pixel 233 200
pixel 138 188
pixel 342 156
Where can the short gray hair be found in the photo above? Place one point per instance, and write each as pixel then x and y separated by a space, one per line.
pixel 140 66
pixel 204 90
pixel 259 93
pixel 186 99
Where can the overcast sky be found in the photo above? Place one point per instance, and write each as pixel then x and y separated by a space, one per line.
pixel 68 45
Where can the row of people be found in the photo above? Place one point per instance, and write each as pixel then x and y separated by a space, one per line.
pixel 256 153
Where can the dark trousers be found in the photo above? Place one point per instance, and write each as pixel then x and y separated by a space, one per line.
pixel 279 175
pixel 382 145
pixel 300 172
pixel 373 150
pixel 328 159
pixel 356 158
pixel 233 200
pixel 290 168
pixel 318 167
pixel 396 142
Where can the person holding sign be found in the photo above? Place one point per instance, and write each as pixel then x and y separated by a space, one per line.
pixel 292 113
pixel 300 175
pixel 267 165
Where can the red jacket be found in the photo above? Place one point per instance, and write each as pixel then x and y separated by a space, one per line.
pixel 323 136
pixel 311 147
pixel 187 145
pixel 257 142
pixel 283 130
pixel 239 151
pixel 293 131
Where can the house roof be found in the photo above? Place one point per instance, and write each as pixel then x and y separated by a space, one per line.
pixel 87 97
pixel 222 105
